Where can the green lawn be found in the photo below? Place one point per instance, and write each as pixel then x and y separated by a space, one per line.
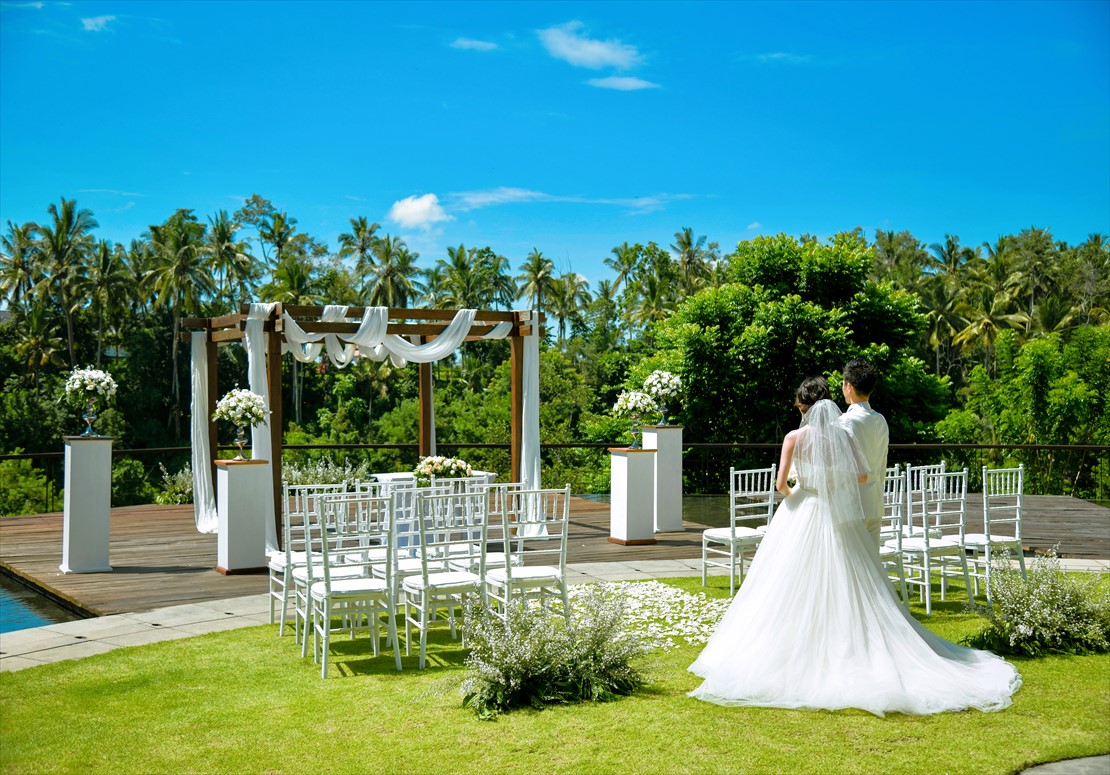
pixel 244 702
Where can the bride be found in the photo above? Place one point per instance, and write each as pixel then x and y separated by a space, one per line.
pixel 816 623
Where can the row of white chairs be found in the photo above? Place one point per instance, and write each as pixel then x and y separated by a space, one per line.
pixel 385 549
pixel 924 529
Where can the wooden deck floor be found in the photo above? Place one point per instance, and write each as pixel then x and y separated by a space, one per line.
pixel 159 559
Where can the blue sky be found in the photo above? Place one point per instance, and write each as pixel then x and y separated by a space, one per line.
pixel 568 127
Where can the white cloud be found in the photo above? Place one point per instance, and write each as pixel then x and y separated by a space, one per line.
pixel 36 6
pixel 473 200
pixel 97 23
pixel 622 83
pixel 754 225
pixel 471 44
pixel 572 44
pixel 782 57
pixel 418 212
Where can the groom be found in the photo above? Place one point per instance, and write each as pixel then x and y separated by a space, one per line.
pixel 868 428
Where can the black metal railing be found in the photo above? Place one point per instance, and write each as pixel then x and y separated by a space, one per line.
pixel 1052 469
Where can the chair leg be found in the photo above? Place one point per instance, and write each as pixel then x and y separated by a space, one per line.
pixel 928 588
pixel 284 603
pixel 423 627
pixel 704 557
pixel 392 626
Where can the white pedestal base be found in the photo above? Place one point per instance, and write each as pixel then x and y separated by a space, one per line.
pixel 632 501
pixel 241 510
pixel 87 504
pixel 666 440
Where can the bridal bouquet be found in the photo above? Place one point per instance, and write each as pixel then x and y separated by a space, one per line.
pixel 441 468
pixel 90 385
pixel 663 386
pixel 633 403
pixel 241 407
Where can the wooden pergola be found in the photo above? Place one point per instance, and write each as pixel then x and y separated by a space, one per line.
pixel 426 324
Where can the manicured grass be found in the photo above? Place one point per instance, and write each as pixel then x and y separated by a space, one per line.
pixel 243 701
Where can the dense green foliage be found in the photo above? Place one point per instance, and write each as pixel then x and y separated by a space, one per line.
pixel 1001 343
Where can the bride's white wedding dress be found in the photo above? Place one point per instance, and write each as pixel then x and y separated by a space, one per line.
pixel 816 623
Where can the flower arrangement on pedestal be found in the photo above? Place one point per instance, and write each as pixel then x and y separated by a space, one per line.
pixel 88 387
pixel 664 387
pixel 241 408
pixel 634 404
pixel 441 468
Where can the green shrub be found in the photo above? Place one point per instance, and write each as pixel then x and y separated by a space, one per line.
pixel 176 488
pixel 324 471
pixel 25 489
pixel 1051 612
pixel 129 484
pixel 535 659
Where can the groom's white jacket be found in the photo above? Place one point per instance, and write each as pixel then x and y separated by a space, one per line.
pixel 869 429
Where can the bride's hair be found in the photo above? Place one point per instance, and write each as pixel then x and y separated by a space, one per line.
pixel 812 390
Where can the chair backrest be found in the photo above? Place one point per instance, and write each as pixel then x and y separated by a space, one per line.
pixel 451 525
pixel 916 481
pixel 751 496
pixel 894 505
pixel 461 484
pixel 1003 489
pixel 946 505
pixel 535 524
pixel 353 529
pixel 300 504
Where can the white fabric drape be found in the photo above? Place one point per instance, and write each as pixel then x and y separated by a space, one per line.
pixel 530 421
pixel 204 494
pixel 261 446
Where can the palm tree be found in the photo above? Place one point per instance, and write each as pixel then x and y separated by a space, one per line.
pixel 501 289
pixel 1036 254
pixel 948 259
pixel 62 247
pixel 654 303
pixel 230 260
pixel 180 276
pixel 569 298
pixel 359 242
pixel 107 284
pixel 278 230
pixel 466 286
pixel 899 258
pixel 987 313
pixel 623 262
pixel 17 263
pixel 37 344
pixel 536 278
pixel 691 259
pixel 433 291
pixel 943 319
pixel 294 282
pixel 389 273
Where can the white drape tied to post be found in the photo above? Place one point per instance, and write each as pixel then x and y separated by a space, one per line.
pixel 204 494
pixel 530 421
pixel 261 446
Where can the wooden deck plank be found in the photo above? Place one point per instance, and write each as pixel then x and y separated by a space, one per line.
pixel 159 559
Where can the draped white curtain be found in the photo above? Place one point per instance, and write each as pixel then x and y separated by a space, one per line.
pixel 370 340
pixel 530 422
pixel 261 446
pixel 204 494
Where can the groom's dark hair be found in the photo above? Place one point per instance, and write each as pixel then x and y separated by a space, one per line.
pixel 860 374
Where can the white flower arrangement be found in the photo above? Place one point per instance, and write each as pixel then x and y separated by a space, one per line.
pixel 441 467
pixel 241 408
pixel 663 385
pixel 633 402
pixel 85 384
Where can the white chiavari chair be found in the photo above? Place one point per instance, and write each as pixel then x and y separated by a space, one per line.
pixel 1003 491
pixel 751 504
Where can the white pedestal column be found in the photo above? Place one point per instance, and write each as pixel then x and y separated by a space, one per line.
pixel 87 504
pixel 632 500
pixel 666 440
pixel 241 510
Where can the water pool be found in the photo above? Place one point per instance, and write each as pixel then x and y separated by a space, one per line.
pixel 22 607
